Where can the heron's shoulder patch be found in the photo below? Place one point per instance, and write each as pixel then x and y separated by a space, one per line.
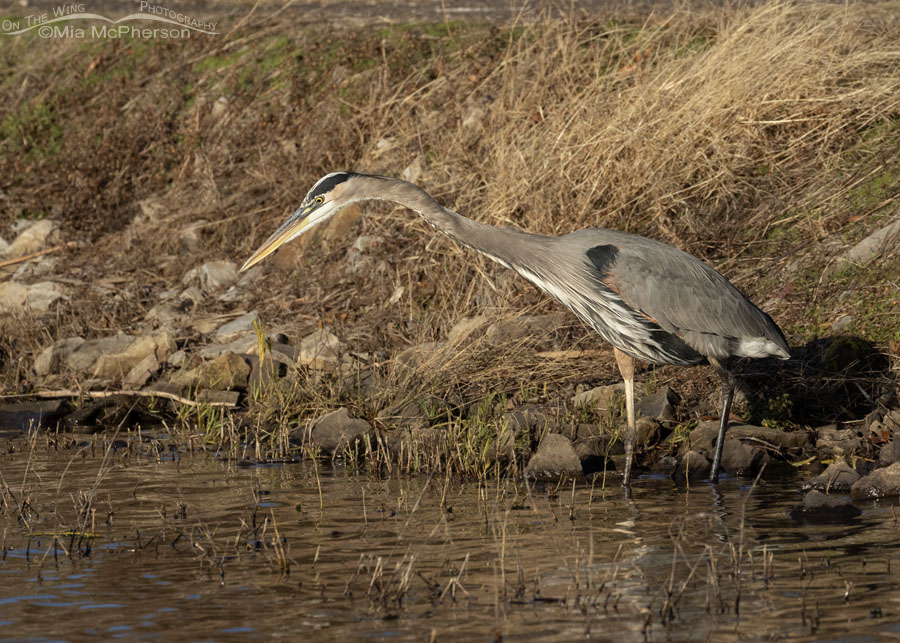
pixel 602 257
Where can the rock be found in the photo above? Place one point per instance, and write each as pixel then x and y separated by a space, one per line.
pixel 891 421
pixel 290 354
pixel 555 457
pixel 666 466
pixel 517 327
pixel 336 432
pixel 241 324
pixel 841 322
pixel 54 356
pixel 420 355
pixel 881 483
pixel 356 259
pixel 603 398
pixel 693 466
pixel 33 270
pixel 141 372
pixel 834 440
pixel 531 419
pixel 890 453
pixel 159 344
pixel 21 416
pixel 320 350
pixel 190 238
pixel 741 459
pixel 413 171
pixel 226 398
pixel 227 371
pixel 473 118
pixel 35 237
pixel 263 375
pixel 871 247
pixel 839 477
pixel 648 431
pixel 246 342
pixel 819 507
pixel 464 327
pixel 83 358
pixel 37 297
pixel 660 404
pixel 704 435
pixel 105 412
pixel 212 276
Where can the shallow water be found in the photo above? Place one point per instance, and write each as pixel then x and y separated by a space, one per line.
pixel 191 547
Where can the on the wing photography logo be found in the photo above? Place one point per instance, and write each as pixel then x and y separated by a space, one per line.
pixel 76 21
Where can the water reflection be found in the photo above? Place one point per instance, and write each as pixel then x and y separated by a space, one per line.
pixel 127 544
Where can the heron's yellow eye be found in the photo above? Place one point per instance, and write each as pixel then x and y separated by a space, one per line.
pixel 320 199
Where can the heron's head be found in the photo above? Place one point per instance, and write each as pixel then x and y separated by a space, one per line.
pixel 330 193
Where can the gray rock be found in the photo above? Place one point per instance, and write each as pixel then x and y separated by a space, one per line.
pixel 890 453
pixel 335 432
pixel 555 457
pixel 212 276
pixel 838 477
pixel 37 297
pixel 83 358
pixel 53 357
pixel 290 353
pixel 531 419
pixel 648 431
pixel 246 342
pixel 819 507
pixel 33 238
pixel 517 327
pixel 666 466
pixel 141 372
pixel 35 269
pixel 226 398
pixel 190 236
pixel 21 416
pixel 116 365
pixel 242 324
pixel 891 421
pixel 704 435
pixel 693 466
pixel 832 439
pixel 741 459
pixel 660 404
pixel 881 483
pixel 420 355
pixel 320 350
pixel 225 372
pixel 871 247
pixel 357 259
pixel 465 327
pixel 603 398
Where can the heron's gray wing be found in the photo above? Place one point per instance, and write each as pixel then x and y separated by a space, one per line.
pixel 686 297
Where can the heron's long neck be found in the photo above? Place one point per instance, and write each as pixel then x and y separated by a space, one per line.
pixel 500 244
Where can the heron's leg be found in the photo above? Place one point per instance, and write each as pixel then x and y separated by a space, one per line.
pixel 626 368
pixel 727 397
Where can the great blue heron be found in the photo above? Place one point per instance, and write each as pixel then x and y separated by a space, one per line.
pixel 651 301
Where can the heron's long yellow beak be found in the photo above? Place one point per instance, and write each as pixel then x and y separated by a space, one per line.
pixel 290 229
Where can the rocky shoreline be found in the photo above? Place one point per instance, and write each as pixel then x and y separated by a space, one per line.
pixel 235 364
